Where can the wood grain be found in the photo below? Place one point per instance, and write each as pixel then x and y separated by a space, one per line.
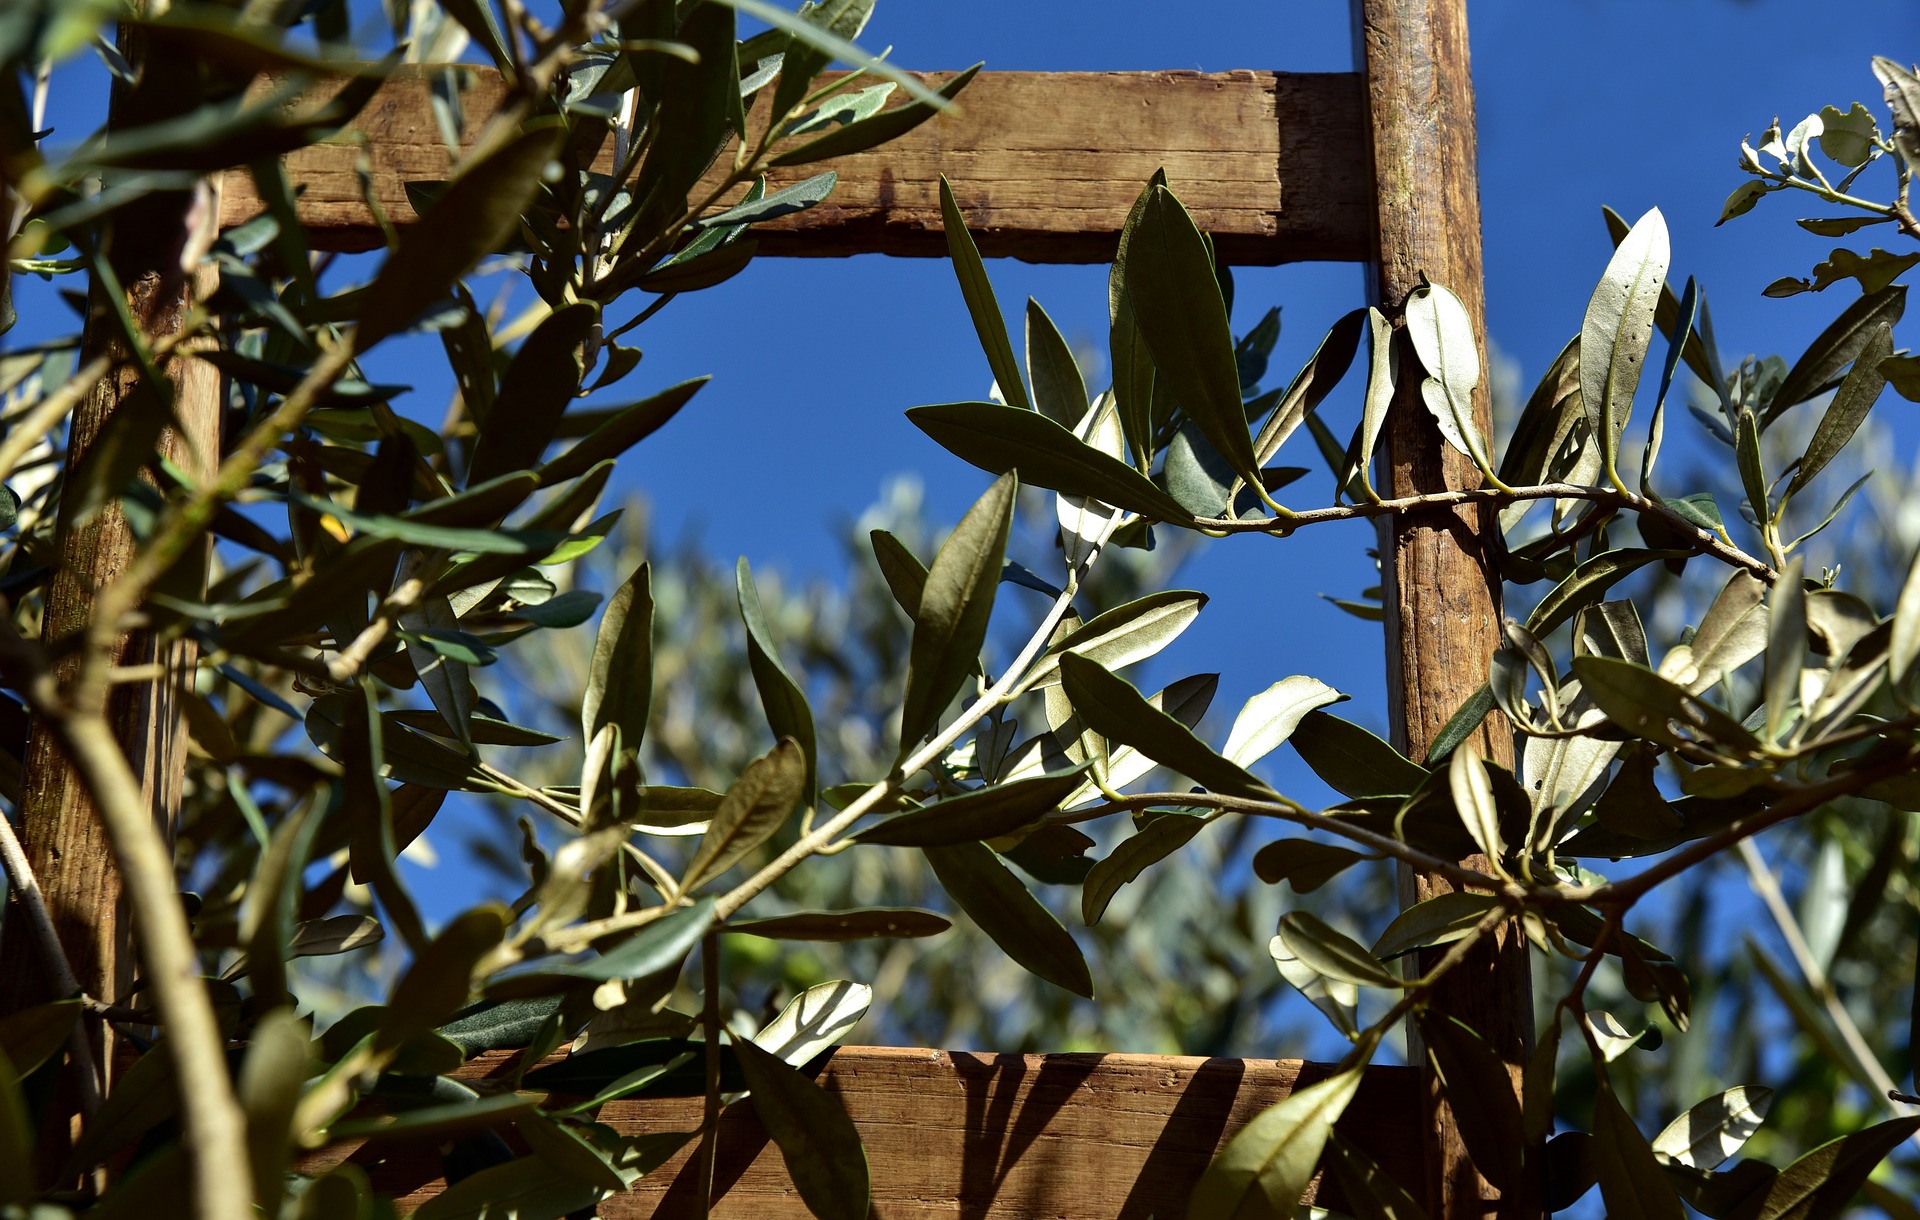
pixel 1045 166
pixel 981 1136
pixel 1443 618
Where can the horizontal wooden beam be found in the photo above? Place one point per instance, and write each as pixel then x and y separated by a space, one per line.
pixel 982 1136
pixel 1045 165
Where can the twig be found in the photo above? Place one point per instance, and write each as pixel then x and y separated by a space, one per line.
pixel 26 891
pixel 1708 541
pixel 710 1110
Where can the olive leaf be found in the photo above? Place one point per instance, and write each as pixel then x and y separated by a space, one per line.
pixel 784 701
pixel 1264 1169
pixel 988 322
pixel 950 623
pixel 1441 332
pixel 751 811
pixel 866 924
pixel 1003 908
pixel 1705 1136
pixel 972 817
pixel 1121 636
pixel 1270 717
pixel 1332 953
pixel 1857 393
pixel 1618 328
pixel 814 1020
pixel 1631 1179
pixel 1304 863
pixel 818 1142
pixel 1159 839
pixel 1112 707
pixel 1352 761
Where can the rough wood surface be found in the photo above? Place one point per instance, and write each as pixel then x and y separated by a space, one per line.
pixel 65 842
pixel 1442 595
pixel 1044 164
pixel 981 1136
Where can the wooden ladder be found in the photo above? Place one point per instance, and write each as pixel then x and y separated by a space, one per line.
pixel 1375 166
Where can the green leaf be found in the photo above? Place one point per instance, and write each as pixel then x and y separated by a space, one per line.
pixel 868 924
pixel 877 129
pixel 752 811
pixel 1837 347
pixel 1121 636
pixel 905 575
pixel 1536 1087
pixel 499 1024
pixel 784 202
pixel 31 1036
pixel 1371 1194
pixel 814 1020
pixel 1464 723
pixel 1589 583
pixel 1134 855
pixel 950 623
pixel 1059 392
pixel 1270 717
pixel 1741 200
pixel 1441 332
pixel 1473 799
pixel 1112 707
pixel 984 813
pixel 817 1140
pixel 1484 1103
pixel 1333 953
pixel 436 984
pixel 658 946
pixel 1305 864
pixel 1733 632
pixel 1183 318
pixel 1130 361
pixel 1004 439
pixel 1264 1169
pixel 477 212
pixel 531 1188
pixel 1323 370
pixel 1685 318
pixel 1352 761
pixel 1004 909
pixel 271 1079
pixel 988 322
pixel 1619 327
pixel 1903 374
pixel 619 683
pixel 1380 391
pixel 1645 704
pixel 1848 136
pixel 1786 645
pixel 1631 1180
pixel 785 702
pixel 1848 410
pixel 1705 1136
pixel 1821 1185
pixel 539 384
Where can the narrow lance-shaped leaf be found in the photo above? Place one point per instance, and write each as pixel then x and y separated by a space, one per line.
pixel 1705 1136
pixel 1473 798
pixel 619 687
pixel 1848 410
pixel 1753 474
pixel 1441 331
pixel 786 704
pixel 1271 716
pixel 479 209
pixel 951 622
pixel 1264 1169
pixel 1132 364
pixel 1178 307
pixel 1618 328
pixel 1380 391
pixel 1821 1185
pixel 1004 909
pixel 875 129
pixel 905 575
pixel 1905 645
pixel 984 813
pixel 1631 1179
pixel 1110 706
pixel 754 807
pixel 988 322
pixel 1786 645
pixel 1689 310
pixel 814 1020
pixel 1059 392
pixel 539 384
pixel 817 1140
pixel 1838 346
pixel 1331 952
pixel 1123 635
pixel 1132 856
pixel 1004 440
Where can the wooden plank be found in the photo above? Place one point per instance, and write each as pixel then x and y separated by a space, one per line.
pixel 1442 594
pixel 983 1136
pixel 1045 166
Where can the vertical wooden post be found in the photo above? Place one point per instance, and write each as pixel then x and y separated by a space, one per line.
pixel 65 842
pixel 1441 593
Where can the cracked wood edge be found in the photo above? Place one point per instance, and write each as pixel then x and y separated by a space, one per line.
pixel 1045 166
pixel 990 1137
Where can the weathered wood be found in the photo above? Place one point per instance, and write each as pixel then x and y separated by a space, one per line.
pixel 950 1133
pixel 1442 595
pixel 1044 164
pixel 66 844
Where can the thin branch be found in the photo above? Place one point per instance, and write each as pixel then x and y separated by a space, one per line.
pixel 1708 541
pixel 26 891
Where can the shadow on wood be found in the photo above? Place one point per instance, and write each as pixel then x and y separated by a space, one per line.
pixel 979 1136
